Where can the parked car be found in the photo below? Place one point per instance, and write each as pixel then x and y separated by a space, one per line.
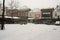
pixel 57 23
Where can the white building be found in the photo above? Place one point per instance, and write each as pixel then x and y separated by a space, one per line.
pixel 32 13
pixel 56 12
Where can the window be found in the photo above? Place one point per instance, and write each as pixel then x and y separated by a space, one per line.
pixel 46 12
pixel 55 14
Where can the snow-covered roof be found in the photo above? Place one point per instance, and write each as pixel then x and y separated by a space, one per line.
pixel 30 18
pixel 35 10
pixel 11 17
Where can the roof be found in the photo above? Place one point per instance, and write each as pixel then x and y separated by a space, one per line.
pixel 47 9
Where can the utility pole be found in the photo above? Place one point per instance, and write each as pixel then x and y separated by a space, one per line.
pixel 2 24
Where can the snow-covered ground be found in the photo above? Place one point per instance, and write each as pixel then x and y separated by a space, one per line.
pixel 30 32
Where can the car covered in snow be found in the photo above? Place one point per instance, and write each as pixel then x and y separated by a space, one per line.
pixel 57 23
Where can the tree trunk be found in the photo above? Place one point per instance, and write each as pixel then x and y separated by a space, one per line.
pixel 2 24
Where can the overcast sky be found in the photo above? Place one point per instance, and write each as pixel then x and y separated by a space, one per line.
pixel 37 3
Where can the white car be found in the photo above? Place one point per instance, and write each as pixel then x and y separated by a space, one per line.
pixel 57 23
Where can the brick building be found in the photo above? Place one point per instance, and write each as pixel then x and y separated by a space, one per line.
pixel 16 12
pixel 21 13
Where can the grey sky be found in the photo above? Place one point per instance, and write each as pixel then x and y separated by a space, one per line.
pixel 37 3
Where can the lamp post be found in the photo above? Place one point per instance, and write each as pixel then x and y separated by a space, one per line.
pixel 2 24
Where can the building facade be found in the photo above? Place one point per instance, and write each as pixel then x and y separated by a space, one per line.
pixel 47 13
pixel 34 14
pixel 21 13
pixel 56 12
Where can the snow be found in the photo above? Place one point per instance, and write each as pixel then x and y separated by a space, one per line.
pixel 35 10
pixel 30 31
pixel 30 18
pixel 10 17
pixel 57 22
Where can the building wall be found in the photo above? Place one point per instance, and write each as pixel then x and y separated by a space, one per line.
pixel 56 12
pixel 32 14
pixel 47 13
pixel 22 14
pixel 16 12
pixel 0 11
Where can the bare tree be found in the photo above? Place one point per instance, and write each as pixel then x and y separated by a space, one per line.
pixel 2 26
pixel 13 4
